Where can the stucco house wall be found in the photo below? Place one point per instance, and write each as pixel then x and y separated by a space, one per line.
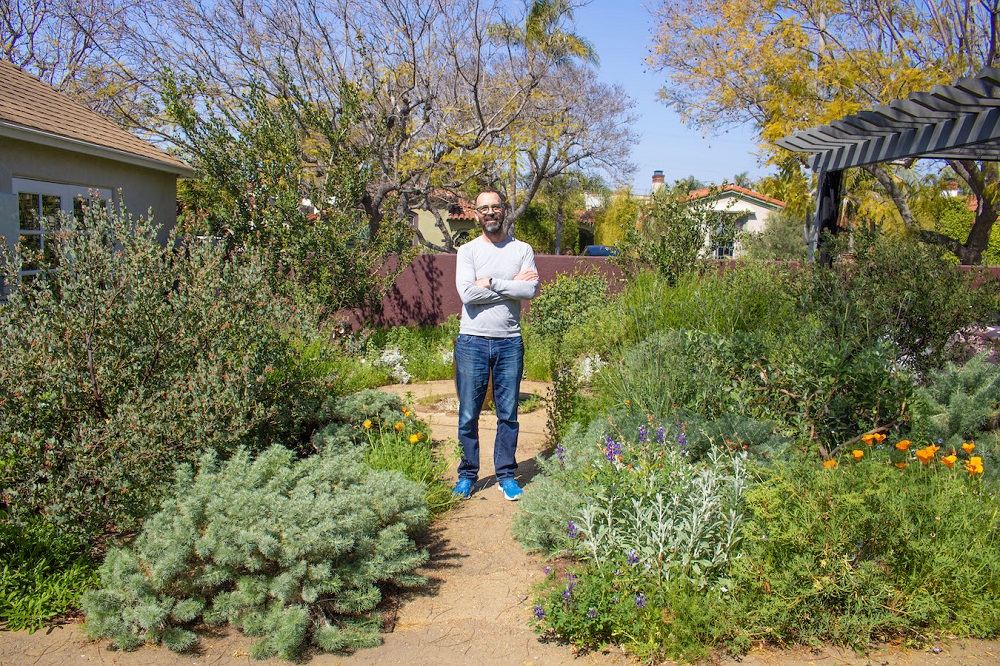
pixel 141 189
pixel 54 150
pixel 427 225
pixel 751 209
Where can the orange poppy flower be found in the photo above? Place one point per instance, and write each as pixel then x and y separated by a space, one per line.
pixel 868 439
pixel 901 465
pixel 949 460
pixel 903 445
pixel 399 426
pixel 925 455
pixel 974 465
pixel 367 424
pixel 879 437
pixel 858 454
pixel 968 447
pixel 829 464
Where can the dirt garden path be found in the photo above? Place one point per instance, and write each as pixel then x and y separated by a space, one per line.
pixel 476 609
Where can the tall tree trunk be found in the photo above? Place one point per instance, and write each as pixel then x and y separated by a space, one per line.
pixel 979 235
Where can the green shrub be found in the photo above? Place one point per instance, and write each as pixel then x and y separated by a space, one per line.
pixel 291 551
pixel 538 355
pixel 957 403
pixel 43 574
pixel 783 239
pixel 800 384
pixel 131 357
pixel 751 297
pixel 864 552
pixel 618 603
pixel 409 353
pixel 902 291
pixel 566 302
pixel 669 238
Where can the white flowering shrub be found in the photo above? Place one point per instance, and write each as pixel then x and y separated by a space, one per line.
pixel 587 367
pixel 393 359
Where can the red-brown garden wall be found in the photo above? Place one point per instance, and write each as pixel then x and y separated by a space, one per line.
pixel 425 294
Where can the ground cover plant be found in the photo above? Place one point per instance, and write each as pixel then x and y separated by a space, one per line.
pixel 830 389
pixel 43 573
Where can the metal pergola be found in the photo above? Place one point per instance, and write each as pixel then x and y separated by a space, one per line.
pixel 961 122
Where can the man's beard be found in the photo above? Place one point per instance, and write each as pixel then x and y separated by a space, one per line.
pixel 492 226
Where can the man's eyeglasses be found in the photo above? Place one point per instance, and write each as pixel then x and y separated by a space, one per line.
pixel 493 208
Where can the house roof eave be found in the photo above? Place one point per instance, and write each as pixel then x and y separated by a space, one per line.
pixel 29 135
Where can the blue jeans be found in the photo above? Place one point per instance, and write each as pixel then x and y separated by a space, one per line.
pixel 476 358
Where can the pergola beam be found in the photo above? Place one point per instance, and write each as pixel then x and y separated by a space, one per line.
pixel 959 122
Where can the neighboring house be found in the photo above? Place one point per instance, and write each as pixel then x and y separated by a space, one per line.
pixel 747 212
pixel 457 214
pixel 56 155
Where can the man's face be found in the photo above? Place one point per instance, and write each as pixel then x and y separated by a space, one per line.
pixel 489 212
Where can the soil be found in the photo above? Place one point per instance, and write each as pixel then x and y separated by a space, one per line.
pixel 476 607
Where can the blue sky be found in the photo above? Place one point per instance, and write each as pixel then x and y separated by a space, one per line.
pixel 621 31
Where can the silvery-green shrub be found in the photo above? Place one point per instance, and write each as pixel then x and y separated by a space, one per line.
pixel 291 551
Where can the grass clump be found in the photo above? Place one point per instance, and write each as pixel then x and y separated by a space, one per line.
pixel 43 573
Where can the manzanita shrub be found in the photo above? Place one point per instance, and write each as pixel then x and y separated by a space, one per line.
pixel 291 551
pixel 126 357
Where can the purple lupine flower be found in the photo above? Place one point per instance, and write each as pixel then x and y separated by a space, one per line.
pixel 640 600
pixel 547 570
pixel 560 453
pixel 539 612
pixel 592 613
pixel 572 531
pixel 682 442
pixel 643 434
pixel 661 435
pixel 633 557
pixel 572 580
pixel 567 594
pixel 612 449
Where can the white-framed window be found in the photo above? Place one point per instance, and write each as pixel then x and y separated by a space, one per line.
pixel 725 234
pixel 38 206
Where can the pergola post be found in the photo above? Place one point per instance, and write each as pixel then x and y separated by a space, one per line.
pixel 828 197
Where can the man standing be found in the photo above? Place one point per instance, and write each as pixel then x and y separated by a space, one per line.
pixel 494 274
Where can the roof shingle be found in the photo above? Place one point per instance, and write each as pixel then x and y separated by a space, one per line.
pixel 26 102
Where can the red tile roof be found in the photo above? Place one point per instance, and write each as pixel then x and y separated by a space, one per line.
pixel 708 191
pixel 462 209
pixel 28 104
pixel 459 208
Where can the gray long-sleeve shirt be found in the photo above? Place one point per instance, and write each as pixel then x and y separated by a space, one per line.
pixel 496 312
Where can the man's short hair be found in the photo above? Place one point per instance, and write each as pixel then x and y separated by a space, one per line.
pixel 492 190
